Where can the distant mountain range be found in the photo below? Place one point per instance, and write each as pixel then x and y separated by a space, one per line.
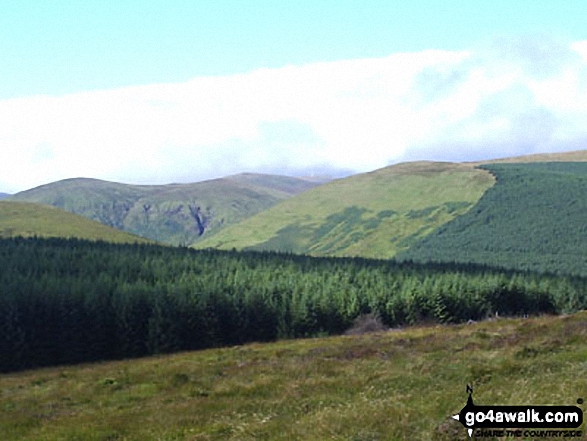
pixel 420 210
pixel 4 195
pixel 176 214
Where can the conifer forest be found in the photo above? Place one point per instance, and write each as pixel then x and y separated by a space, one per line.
pixel 69 301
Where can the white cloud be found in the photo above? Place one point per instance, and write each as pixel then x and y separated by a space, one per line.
pixel 511 98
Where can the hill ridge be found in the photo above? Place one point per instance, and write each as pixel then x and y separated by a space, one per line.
pixel 361 214
pixel 568 156
pixel 272 212
pixel 27 219
pixel 177 213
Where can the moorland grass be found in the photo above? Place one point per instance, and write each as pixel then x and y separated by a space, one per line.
pixel 372 214
pixel 29 219
pixel 396 385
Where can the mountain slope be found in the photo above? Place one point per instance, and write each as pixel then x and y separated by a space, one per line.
pixel 373 214
pixel 174 213
pixel 4 195
pixel 532 219
pixel 28 219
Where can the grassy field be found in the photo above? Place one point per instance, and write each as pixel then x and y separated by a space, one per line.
pixel 397 385
pixel 28 219
pixel 373 214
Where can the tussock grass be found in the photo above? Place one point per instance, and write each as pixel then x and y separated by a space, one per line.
pixel 396 385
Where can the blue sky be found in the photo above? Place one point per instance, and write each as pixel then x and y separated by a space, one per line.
pixel 154 91
pixel 57 47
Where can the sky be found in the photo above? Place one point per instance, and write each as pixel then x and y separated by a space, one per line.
pixel 157 91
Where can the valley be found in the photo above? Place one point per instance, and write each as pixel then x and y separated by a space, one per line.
pixel 241 335
pixel 175 214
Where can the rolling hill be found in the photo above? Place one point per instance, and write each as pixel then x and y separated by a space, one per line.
pixel 377 214
pixel 532 219
pixel 28 219
pixel 374 214
pixel 386 212
pixel 173 214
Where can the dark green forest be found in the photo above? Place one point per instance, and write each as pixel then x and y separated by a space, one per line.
pixel 69 301
pixel 534 218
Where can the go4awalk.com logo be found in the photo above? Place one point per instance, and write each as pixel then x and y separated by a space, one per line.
pixel 520 421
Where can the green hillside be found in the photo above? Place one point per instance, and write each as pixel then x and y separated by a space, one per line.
pixel 400 385
pixel 174 213
pixel 28 219
pixel 374 214
pixel 533 218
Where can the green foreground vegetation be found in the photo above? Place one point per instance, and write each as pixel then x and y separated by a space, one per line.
pixel 71 301
pixel 399 385
pixel 373 215
pixel 28 220
pixel 532 219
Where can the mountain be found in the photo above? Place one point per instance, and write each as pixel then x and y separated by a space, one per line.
pixel 28 219
pixel 372 214
pixel 174 213
pixel 389 211
pixel 377 214
pixel 4 195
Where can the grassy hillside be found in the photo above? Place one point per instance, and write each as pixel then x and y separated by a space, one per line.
pixel 175 213
pixel 373 214
pixel 387 386
pixel 533 218
pixel 27 219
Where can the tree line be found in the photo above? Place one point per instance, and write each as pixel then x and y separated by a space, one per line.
pixel 532 219
pixel 69 301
